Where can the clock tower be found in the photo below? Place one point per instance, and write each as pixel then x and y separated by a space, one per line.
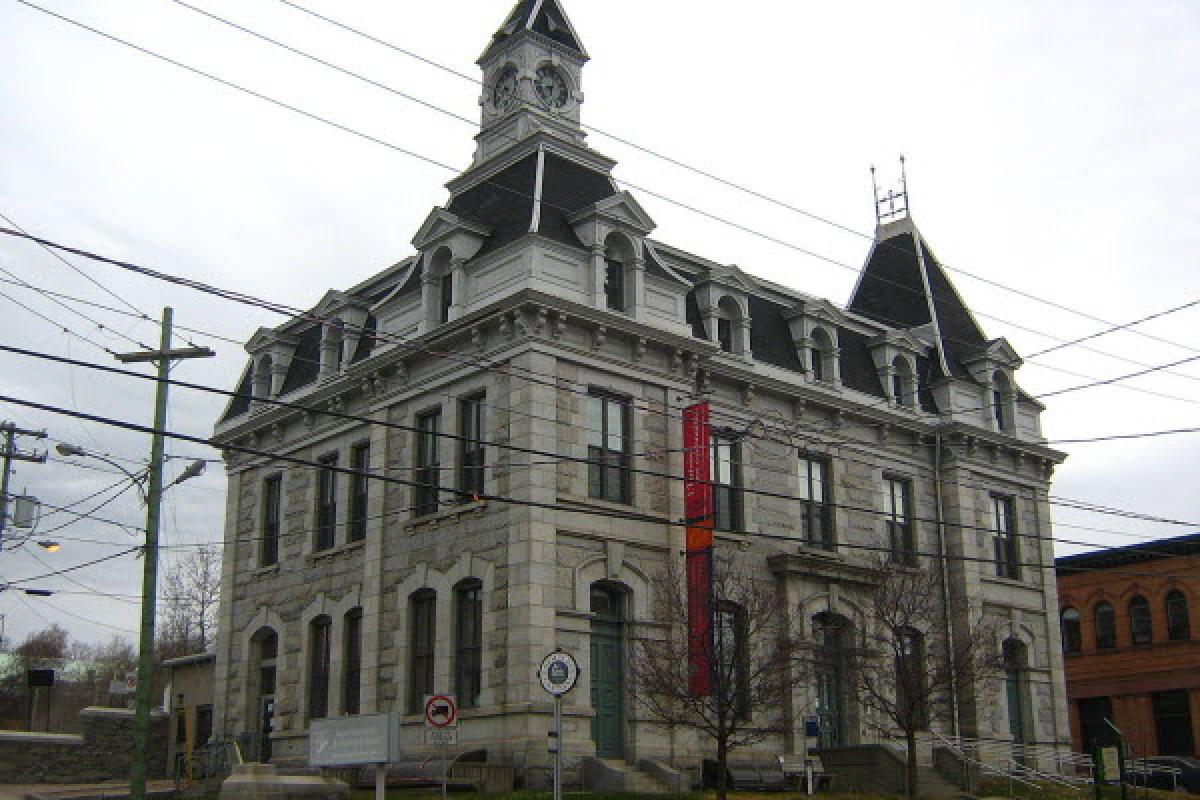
pixel 532 78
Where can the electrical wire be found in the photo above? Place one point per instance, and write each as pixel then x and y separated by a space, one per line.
pixel 712 176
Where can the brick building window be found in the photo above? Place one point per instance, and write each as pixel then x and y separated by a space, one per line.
pixel 1106 627
pixel 319 637
pixel 428 463
pixel 1004 537
pixel 1178 627
pixel 1140 627
pixel 902 542
pixel 1072 633
pixel 468 642
pixel 816 513
pixel 352 662
pixel 470 448
pixel 421 637
pixel 268 554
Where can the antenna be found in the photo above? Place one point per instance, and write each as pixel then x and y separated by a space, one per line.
pixel 891 205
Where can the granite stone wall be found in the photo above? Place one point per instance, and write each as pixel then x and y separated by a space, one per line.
pixel 102 752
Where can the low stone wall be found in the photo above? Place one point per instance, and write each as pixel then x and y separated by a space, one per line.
pixel 864 768
pixel 103 751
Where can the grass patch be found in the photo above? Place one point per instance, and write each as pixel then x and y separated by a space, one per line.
pixel 999 787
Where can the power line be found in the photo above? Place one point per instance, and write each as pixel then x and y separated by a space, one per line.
pixel 430 160
pixel 706 174
pixel 15 584
pixel 455 437
pixel 631 515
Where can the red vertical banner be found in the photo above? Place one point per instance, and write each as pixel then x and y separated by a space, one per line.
pixel 697 509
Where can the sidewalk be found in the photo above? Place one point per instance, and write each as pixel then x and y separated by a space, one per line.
pixel 111 790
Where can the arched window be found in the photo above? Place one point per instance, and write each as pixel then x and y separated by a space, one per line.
pixel 265 652
pixel 1016 690
pixel 1139 621
pixel 618 255
pixel 904 390
pixel 468 641
pixel 820 355
pixel 833 636
pixel 319 637
pixel 441 281
pixel 421 636
pixel 729 316
pixel 352 662
pixel 332 335
pixel 262 377
pixel 1106 626
pixel 912 702
pixel 1001 399
pixel 1178 627
pixel 1072 634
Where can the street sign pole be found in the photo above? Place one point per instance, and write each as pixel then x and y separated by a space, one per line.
pixel 558 674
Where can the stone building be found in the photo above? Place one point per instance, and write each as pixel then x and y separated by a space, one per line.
pixel 1132 654
pixel 446 471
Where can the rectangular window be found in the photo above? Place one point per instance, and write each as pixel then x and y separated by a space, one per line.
pixel 608 448
pixel 899 522
pixel 614 284
pixel 470 449
pixel 816 514
pixel 359 491
pixel 318 668
pixel 446 297
pixel 468 644
pixel 1004 537
pixel 724 468
pixel 1173 723
pixel 352 662
pixel 180 725
pixel 725 334
pixel 326 502
pixel 428 462
pixel 272 499
pixel 421 638
pixel 730 643
pixel 204 717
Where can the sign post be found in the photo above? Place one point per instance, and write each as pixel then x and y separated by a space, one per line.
pixel 558 674
pixel 441 719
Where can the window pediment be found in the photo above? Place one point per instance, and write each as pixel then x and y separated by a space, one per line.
pixel 463 236
pixel 618 212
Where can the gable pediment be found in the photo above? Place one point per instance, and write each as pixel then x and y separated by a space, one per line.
pixel 997 351
pixel 440 225
pixel 729 276
pixel 265 339
pixel 620 210
pixel 899 339
pixel 815 308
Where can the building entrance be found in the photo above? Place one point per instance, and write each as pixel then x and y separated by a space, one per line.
pixel 608 722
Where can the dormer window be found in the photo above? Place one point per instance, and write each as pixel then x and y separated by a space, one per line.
pixel 614 284
pixel 725 334
pixel 821 355
pixel 262 378
pixel 445 297
pixel 332 334
pixel 904 390
pixel 1002 401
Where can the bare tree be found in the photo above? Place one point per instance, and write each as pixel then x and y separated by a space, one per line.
pixel 907 671
pixel 48 644
pixel 187 615
pixel 751 652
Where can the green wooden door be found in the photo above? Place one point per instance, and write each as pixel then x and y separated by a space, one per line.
pixel 609 714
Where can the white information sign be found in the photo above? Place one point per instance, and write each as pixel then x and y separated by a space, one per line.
pixel 558 673
pixel 441 736
pixel 351 741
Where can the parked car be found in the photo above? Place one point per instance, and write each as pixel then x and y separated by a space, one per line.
pixel 1188 778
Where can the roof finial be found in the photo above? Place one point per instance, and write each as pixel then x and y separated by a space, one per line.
pixel 892 205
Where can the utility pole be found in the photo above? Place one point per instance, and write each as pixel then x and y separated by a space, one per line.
pixel 141 720
pixel 11 454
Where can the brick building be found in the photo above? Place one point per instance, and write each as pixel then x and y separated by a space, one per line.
pixel 478 458
pixel 1130 644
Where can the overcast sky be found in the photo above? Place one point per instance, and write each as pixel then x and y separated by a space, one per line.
pixel 1050 146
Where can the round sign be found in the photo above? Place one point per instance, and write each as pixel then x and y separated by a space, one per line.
pixel 558 673
pixel 440 711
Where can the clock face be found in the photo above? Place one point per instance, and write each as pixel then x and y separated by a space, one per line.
pixel 551 87
pixel 504 90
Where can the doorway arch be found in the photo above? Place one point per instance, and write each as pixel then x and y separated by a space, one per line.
pixel 608 603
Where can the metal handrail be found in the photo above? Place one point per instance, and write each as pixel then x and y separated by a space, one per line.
pixel 983 767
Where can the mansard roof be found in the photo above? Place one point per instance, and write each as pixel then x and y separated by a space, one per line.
pixel 505 201
pixel 891 291
pixel 543 18
pixel 1109 557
